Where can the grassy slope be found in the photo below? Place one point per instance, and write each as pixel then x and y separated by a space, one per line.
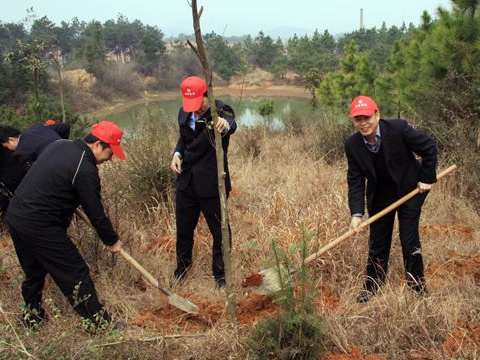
pixel 287 185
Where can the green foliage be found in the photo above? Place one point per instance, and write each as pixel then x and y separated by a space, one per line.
pixel 50 108
pixel 153 49
pixel 225 60
pixel 266 109
pixel 263 51
pixel 297 333
pixel 94 51
pixel 312 54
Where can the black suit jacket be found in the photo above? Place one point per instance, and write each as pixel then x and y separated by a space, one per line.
pixel 400 143
pixel 197 149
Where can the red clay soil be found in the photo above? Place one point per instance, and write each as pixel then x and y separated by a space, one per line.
pixel 162 244
pixel 250 310
pixel 327 298
pixel 456 266
pixel 354 354
pixel 442 230
pixel 254 279
pixel 463 340
pixel 256 307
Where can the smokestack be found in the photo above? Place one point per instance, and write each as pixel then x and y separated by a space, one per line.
pixel 361 19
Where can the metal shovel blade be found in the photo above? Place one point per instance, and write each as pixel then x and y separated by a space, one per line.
pixel 271 282
pixel 182 304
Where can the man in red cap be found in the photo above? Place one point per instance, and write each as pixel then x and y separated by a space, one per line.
pixel 63 177
pixel 194 162
pixel 382 154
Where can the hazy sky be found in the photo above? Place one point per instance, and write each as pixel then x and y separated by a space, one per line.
pixel 233 17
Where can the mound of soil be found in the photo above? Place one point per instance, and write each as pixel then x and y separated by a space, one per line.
pixel 250 310
pixel 464 340
pixel 327 298
pixel 254 279
pixel 457 266
pixel 449 230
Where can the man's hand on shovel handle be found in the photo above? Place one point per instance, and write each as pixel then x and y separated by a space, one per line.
pixel 422 187
pixel 115 248
pixel 356 220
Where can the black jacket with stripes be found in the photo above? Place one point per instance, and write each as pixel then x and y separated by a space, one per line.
pixel 63 177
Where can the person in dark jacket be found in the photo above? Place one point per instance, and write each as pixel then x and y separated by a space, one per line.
pixel 20 150
pixel 382 154
pixel 194 162
pixel 62 178
pixel 11 173
pixel 28 145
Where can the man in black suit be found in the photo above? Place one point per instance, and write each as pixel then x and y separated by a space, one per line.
pixel 382 154
pixel 194 162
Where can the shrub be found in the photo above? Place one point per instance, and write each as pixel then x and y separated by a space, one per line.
pixel 249 142
pixel 298 332
pixel 147 172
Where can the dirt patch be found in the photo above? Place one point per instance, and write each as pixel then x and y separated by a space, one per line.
pixel 457 266
pixel 250 310
pixel 464 340
pixel 254 279
pixel 327 298
pixel 447 230
pixel 256 307
pixel 355 354
pixel 168 316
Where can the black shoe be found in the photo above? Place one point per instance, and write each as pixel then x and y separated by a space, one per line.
pixel 33 319
pixel 364 296
pixel 422 293
pixel 220 283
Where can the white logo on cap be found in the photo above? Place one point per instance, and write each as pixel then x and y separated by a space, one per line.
pixel 189 92
pixel 360 104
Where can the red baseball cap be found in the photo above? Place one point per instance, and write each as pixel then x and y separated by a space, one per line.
pixel 193 89
pixel 50 122
pixel 111 134
pixel 363 106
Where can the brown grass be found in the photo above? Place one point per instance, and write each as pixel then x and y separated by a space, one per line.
pixel 274 194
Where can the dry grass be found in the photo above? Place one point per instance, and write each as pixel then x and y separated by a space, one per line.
pixel 273 194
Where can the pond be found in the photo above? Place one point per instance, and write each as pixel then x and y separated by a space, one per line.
pixel 246 110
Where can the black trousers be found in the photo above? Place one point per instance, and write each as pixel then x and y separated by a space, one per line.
pixel 50 251
pixel 188 208
pixel 381 239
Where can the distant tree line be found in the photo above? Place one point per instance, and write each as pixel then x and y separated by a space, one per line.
pixel 431 70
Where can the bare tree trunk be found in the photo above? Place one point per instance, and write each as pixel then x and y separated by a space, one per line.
pixel 201 54
pixel 54 57
pixel 60 83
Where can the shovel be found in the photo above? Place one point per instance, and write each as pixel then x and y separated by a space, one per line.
pixel 173 299
pixel 270 278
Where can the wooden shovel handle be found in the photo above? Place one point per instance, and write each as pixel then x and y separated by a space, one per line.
pixel 130 259
pixel 372 219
